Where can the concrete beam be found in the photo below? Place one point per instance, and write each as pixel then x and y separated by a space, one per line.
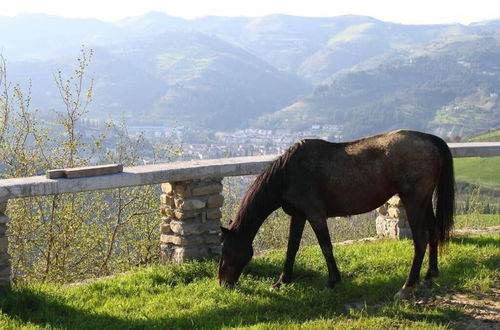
pixel 135 176
pixel 475 149
pixel 179 171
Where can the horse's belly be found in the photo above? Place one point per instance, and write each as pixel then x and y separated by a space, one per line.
pixel 356 201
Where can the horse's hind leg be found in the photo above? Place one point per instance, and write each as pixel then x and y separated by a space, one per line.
pixel 320 228
pixel 432 272
pixel 296 230
pixel 418 223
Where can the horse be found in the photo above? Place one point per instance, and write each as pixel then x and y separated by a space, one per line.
pixel 316 179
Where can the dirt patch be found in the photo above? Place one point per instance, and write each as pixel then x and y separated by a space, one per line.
pixel 481 310
pixel 476 231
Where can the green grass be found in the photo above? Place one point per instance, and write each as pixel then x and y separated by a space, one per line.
pixel 492 136
pixel 477 220
pixel 482 171
pixel 188 296
pixel 351 33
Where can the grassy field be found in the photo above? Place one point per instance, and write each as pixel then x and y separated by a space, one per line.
pixel 188 296
pixel 492 136
pixel 477 220
pixel 482 171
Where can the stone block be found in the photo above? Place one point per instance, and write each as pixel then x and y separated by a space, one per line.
pixel 4 243
pixel 5 261
pixel 187 227
pixel 396 212
pixel 165 228
pixel 212 239
pixel 380 225
pixel 395 200
pixel 382 209
pixel 181 240
pixel 212 226
pixel 3 206
pixel 168 187
pixel 214 214
pixel 215 201
pixel 183 215
pixel 189 204
pixel 182 254
pixel 210 189
pixel 5 282
pixel 5 271
pixel 168 211
pixel 182 190
pixel 215 250
pixel 4 219
pixel 167 199
pixel 166 251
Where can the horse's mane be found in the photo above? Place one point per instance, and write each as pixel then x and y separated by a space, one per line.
pixel 267 186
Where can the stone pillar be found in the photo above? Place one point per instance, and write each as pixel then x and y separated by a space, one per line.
pixel 391 221
pixel 5 271
pixel 191 220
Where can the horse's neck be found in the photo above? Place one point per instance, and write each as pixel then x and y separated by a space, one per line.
pixel 255 212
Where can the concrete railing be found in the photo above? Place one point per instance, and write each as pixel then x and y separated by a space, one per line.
pixel 191 199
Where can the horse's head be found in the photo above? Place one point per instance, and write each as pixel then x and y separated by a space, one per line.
pixel 236 253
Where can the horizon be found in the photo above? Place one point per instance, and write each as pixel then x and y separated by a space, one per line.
pixel 426 12
pixel 238 16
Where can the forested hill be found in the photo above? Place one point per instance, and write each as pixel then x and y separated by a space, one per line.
pixel 224 73
pixel 447 86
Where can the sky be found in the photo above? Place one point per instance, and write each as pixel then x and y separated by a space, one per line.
pixel 399 11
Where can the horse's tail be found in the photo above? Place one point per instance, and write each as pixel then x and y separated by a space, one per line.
pixel 445 193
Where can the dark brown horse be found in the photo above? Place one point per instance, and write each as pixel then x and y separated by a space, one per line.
pixel 316 179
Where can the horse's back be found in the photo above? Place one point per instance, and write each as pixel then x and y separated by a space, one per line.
pixel 357 176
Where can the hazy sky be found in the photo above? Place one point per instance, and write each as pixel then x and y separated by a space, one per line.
pixel 401 11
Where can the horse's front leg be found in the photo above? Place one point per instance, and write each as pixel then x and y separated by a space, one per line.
pixel 295 235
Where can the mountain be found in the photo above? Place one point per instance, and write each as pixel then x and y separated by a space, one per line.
pixel 446 86
pixel 224 73
pixel 186 78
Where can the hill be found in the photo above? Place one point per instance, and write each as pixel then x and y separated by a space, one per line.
pixel 492 135
pixel 446 86
pixel 187 78
pixel 223 73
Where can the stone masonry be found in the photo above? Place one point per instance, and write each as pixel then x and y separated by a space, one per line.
pixel 191 220
pixel 391 221
pixel 4 243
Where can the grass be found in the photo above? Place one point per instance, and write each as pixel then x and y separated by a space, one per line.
pixel 491 136
pixel 350 33
pixel 188 296
pixel 477 220
pixel 481 171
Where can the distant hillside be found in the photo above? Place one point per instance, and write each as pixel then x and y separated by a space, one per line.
pixel 222 73
pixel 178 77
pixel 447 86
pixel 492 135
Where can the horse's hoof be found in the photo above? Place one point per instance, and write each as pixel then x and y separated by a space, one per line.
pixel 404 293
pixel 331 284
pixel 275 287
pixel 426 282
pixel 431 274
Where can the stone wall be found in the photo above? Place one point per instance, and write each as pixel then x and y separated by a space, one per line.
pixel 191 220
pixel 392 221
pixel 4 243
